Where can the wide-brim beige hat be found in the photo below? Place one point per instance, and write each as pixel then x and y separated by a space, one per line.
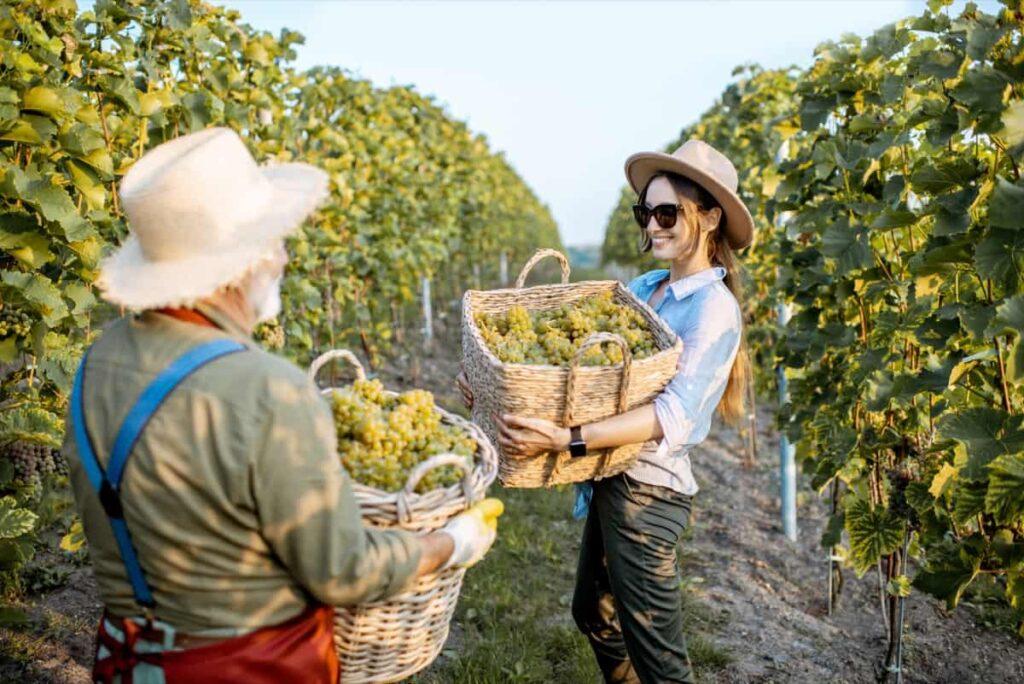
pixel 708 168
pixel 201 213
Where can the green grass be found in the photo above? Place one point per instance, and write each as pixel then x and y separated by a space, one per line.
pixel 987 595
pixel 24 646
pixel 513 622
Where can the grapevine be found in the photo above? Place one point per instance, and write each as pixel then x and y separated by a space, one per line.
pixel 84 94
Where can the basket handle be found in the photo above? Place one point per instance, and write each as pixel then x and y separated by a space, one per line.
pixel 420 471
pixel 328 356
pixel 570 386
pixel 570 393
pixel 537 256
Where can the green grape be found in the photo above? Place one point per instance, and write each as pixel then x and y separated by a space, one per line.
pixel 271 334
pixel 16 323
pixel 555 335
pixel 382 438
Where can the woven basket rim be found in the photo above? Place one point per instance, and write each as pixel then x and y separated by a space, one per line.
pixel 512 293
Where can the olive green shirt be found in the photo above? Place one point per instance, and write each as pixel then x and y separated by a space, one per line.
pixel 234 494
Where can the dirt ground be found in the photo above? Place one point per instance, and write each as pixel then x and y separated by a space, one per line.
pixel 774 591
pixel 770 592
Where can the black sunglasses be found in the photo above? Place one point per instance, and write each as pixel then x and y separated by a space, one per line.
pixel 664 214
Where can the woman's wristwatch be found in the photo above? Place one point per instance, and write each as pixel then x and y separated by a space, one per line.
pixel 577 447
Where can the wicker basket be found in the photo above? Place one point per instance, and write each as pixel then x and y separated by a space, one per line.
pixel 387 641
pixel 569 396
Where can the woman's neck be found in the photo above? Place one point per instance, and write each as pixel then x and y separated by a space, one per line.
pixel 681 268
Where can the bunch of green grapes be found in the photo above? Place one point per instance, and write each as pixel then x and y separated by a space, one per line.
pixel 553 336
pixel 270 334
pixel 381 438
pixel 15 323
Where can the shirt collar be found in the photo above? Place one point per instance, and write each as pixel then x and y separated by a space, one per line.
pixel 687 285
pixel 222 320
pixel 652 278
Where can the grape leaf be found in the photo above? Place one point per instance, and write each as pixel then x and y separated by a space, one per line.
pixel 948 580
pixel 872 533
pixel 1005 496
pixel 1009 320
pixel 1006 205
pixel 15 521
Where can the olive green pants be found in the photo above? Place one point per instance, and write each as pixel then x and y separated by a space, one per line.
pixel 627 600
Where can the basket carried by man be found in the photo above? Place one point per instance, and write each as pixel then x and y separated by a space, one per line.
pixel 389 640
pixel 568 395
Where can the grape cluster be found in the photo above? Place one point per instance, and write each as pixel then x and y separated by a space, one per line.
pixel 554 335
pixel 270 334
pixel 15 323
pixel 33 462
pixel 382 437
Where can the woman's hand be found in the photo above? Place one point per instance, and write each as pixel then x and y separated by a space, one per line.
pixel 523 437
pixel 463 382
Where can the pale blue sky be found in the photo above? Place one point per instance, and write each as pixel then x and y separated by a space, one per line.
pixel 568 89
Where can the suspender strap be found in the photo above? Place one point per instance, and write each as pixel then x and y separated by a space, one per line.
pixel 108 483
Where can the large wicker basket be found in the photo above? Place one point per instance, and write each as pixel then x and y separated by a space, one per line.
pixel 568 396
pixel 387 641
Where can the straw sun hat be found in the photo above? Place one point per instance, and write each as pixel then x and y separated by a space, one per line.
pixel 708 168
pixel 201 214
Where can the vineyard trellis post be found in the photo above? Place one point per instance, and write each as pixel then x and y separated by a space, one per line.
pixel 503 268
pixel 835 573
pixel 428 314
pixel 787 451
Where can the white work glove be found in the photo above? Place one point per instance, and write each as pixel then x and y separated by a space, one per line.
pixel 473 532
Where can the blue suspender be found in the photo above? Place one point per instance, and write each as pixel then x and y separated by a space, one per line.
pixel 108 484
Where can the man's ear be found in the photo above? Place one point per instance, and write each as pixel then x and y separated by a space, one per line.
pixel 710 219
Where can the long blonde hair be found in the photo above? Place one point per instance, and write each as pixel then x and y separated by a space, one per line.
pixel 732 406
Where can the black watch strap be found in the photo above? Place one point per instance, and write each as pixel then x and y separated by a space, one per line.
pixel 577 447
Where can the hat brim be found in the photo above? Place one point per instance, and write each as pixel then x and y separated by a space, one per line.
pixel 739 224
pixel 127 278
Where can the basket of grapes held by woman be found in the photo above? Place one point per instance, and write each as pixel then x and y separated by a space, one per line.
pixel 389 640
pixel 571 353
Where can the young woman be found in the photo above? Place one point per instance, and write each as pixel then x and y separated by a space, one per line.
pixel 627 598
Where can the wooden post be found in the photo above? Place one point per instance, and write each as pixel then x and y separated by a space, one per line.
pixel 503 269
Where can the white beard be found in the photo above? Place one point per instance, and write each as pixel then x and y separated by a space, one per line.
pixel 264 293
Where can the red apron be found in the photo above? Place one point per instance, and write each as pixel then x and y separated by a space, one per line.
pixel 299 650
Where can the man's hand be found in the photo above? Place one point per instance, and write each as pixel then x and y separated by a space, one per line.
pixel 467 393
pixel 473 532
pixel 524 437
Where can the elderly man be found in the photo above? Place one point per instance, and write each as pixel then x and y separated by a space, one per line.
pixel 221 525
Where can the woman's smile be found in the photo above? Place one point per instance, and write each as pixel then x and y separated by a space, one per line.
pixel 664 245
pixel 662 240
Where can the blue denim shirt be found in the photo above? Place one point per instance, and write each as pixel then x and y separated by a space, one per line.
pixel 705 315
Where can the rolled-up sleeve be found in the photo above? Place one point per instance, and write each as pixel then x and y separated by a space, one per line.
pixel 687 404
pixel 308 511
